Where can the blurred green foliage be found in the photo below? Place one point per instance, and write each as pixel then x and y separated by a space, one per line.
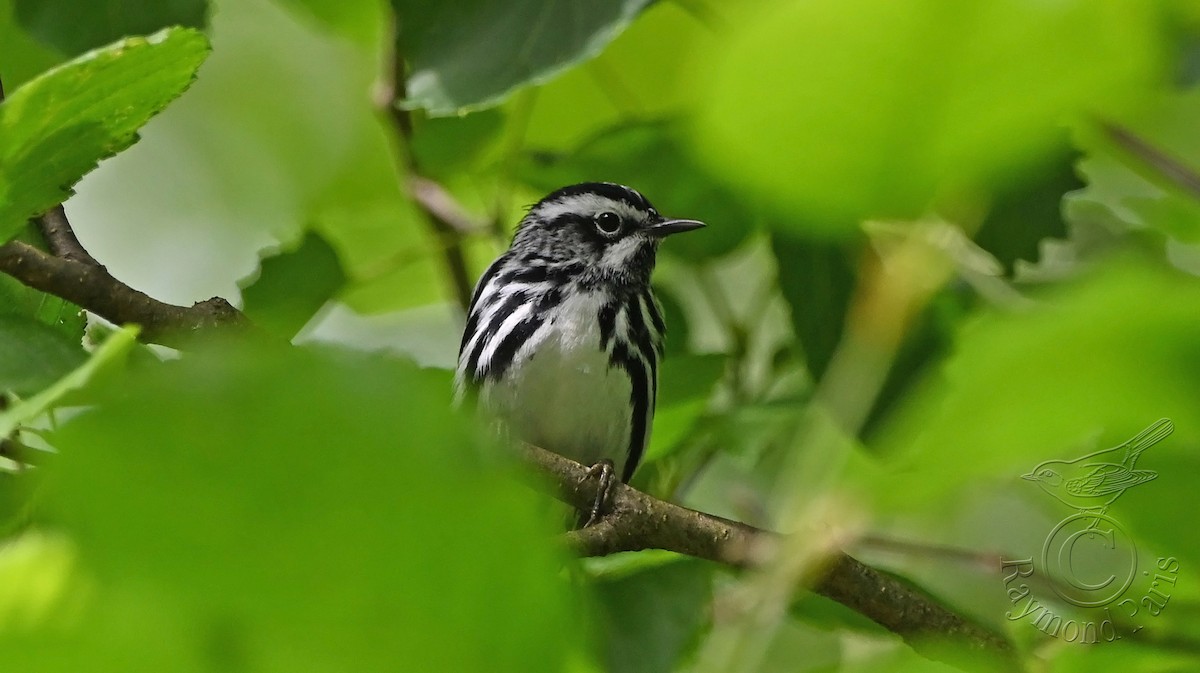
pixel 1025 290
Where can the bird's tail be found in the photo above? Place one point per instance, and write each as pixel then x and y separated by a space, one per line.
pixel 1152 435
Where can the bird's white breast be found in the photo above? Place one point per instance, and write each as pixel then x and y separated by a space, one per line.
pixel 561 392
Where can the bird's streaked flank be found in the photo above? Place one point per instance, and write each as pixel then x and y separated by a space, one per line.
pixel 564 336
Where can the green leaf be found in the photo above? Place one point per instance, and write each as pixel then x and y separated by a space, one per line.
pixel 1020 218
pixel 73 27
pixel 359 21
pixel 292 286
pixel 470 55
pixel 685 385
pixel 451 145
pixel 21 300
pixel 55 128
pixel 111 352
pixel 256 508
pixel 836 112
pixel 651 619
pixel 649 157
pixel 1104 356
pixel 817 280
pixel 24 57
pixel 641 75
pixel 1124 192
pixel 38 576
pixel 34 355
pixel 17 490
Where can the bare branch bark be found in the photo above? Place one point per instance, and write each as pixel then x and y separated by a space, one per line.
pixel 56 229
pixel 640 521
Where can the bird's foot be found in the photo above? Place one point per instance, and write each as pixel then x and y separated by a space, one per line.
pixel 606 473
pixel 1096 513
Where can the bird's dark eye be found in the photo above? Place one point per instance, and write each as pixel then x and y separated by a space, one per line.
pixel 608 222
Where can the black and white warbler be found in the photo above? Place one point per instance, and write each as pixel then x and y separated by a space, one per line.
pixel 564 335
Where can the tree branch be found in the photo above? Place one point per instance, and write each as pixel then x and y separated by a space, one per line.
pixel 639 521
pixel 61 238
pixel 446 218
pixel 72 274
pixel 93 288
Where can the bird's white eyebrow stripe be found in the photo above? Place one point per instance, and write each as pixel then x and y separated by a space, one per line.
pixel 587 205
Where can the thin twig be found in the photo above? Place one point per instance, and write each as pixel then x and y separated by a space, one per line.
pixel 639 521
pixel 987 561
pixel 1167 166
pixel 447 219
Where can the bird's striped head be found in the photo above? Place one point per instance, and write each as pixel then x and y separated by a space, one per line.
pixel 610 231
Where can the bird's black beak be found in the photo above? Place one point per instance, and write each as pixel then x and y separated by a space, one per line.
pixel 668 227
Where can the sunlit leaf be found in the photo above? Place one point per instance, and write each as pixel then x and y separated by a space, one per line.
pixel 835 112
pixel 55 128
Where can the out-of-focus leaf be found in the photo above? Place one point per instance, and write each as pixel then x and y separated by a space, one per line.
pixel 34 355
pixel 21 300
pixel 17 489
pixel 1133 193
pixel 649 157
pixel 471 55
pixel 24 57
pixel 1107 355
pixel 836 112
pixel 651 618
pixel 640 76
pixel 685 385
pixel 273 506
pixel 676 340
pixel 445 145
pixel 74 27
pixel 292 286
pixel 1031 211
pixel 107 355
pixel 38 578
pixel 817 280
pixel 359 21
pixel 928 340
pixel 690 377
pixel 389 257
pixel 55 128
pixel 830 615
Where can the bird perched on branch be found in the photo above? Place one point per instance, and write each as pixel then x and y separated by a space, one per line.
pixel 1094 481
pixel 564 336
